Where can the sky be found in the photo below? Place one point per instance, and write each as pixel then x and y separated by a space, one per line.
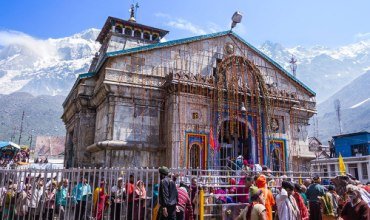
pixel 289 22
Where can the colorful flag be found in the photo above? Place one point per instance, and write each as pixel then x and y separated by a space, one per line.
pixel 212 139
pixel 342 167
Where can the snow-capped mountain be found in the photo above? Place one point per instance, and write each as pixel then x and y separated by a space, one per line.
pixel 323 69
pixel 354 110
pixel 47 66
pixel 50 66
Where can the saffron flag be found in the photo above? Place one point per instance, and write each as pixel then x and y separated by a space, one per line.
pixel 342 167
pixel 212 139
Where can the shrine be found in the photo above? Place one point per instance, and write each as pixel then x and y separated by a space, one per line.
pixel 195 102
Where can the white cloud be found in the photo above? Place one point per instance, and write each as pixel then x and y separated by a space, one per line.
pixel 213 27
pixel 41 48
pixel 362 36
pixel 183 24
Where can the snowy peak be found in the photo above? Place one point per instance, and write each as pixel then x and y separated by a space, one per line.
pixel 89 34
pixel 50 66
pixel 354 101
pixel 325 70
pixel 42 66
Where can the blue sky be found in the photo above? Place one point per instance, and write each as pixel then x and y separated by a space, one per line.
pixel 289 22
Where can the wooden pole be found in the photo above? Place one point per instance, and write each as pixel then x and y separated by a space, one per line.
pixel 21 129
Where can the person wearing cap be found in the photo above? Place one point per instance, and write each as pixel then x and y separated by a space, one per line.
pixel 168 195
pixel 256 210
pixel 287 207
pixel 313 192
pixel 80 194
pixel 118 196
pixel 355 208
pixel 270 201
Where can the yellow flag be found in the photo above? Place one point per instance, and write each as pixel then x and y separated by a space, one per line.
pixel 300 179
pixel 342 167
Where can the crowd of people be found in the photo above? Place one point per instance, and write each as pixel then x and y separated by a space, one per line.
pixel 12 157
pixel 307 201
pixel 286 200
pixel 40 198
pixel 259 195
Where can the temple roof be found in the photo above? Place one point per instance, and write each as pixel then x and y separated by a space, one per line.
pixel 114 21
pixel 189 40
pixel 203 37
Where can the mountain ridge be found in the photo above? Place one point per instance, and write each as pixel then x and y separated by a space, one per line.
pixel 323 69
pixel 38 68
pixel 354 109
pixel 44 66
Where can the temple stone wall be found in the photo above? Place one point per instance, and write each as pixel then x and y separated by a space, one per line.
pixel 101 127
pixel 85 132
pixel 179 112
pixel 80 134
pixel 135 123
pixel 171 133
pixel 127 158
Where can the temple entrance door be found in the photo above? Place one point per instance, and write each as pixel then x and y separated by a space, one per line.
pixel 235 143
pixel 194 156
pixel 276 160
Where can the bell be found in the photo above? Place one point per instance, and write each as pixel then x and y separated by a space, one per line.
pixel 242 108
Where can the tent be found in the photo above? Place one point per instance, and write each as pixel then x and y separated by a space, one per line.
pixel 8 145
pixel 8 149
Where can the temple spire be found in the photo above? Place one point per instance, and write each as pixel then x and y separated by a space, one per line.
pixel 132 11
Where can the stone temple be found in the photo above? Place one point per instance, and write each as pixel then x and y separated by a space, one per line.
pixel 192 102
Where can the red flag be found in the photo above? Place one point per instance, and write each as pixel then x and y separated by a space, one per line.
pixel 212 142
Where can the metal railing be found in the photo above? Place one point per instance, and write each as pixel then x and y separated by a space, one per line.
pixel 91 193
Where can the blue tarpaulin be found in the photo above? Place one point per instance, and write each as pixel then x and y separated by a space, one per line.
pixel 9 144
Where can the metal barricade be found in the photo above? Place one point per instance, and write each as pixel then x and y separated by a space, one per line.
pixel 112 193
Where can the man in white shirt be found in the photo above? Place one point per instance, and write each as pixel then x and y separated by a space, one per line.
pixel 34 200
pixel 118 197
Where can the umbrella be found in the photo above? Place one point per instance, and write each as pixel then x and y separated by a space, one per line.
pixel 8 144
